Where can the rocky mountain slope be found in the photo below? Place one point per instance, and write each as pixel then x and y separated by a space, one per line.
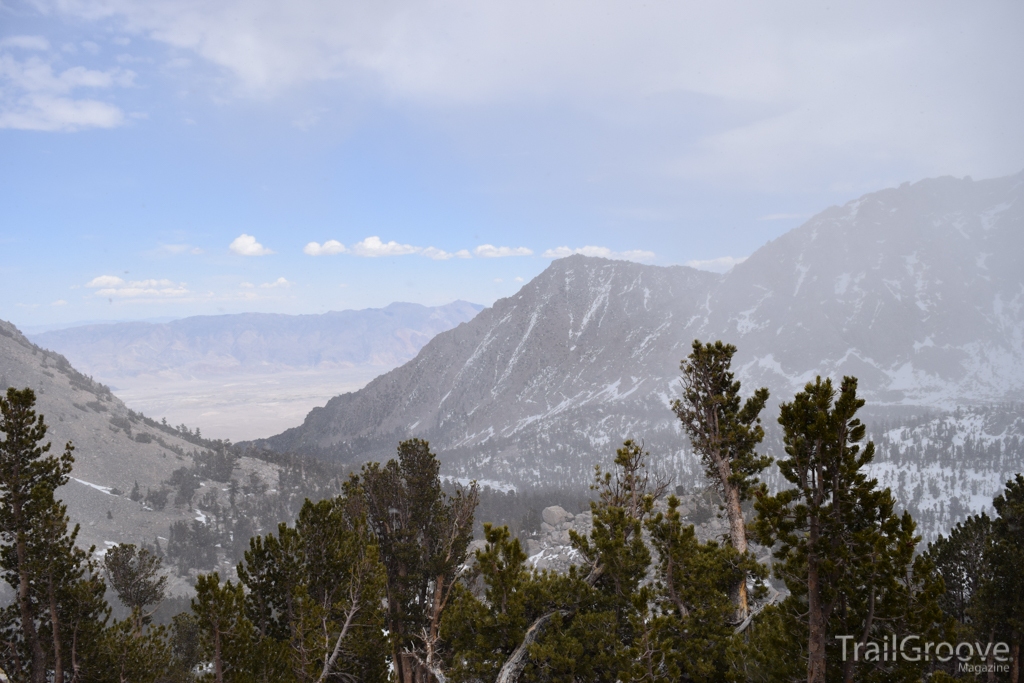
pixel 917 290
pixel 119 452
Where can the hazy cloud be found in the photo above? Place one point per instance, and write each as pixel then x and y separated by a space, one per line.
pixel 26 42
pixel 35 97
pixel 601 252
pixel 175 249
pixel 781 216
pixel 491 251
pixel 59 302
pixel 279 282
pixel 798 85
pixel 721 264
pixel 246 245
pixel 111 286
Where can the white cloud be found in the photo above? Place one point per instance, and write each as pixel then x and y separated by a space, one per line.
pixel 491 251
pixel 372 247
pixel 437 254
pixel 498 279
pixel 26 42
pixel 246 245
pixel 111 286
pixel 35 97
pixel 105 281
pixel 328 247
pixel 601 252
pixel 59 302
pixel 721 264
pixel 279 282
pixel 518 279
pixel 246 285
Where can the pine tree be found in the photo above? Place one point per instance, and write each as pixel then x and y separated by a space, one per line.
pixel 220 612
pixel 691 610
pixel 846 557
pixel 28 479
pixel 423 535
pixel 724 434
pixel 1000 599
pixel 134 574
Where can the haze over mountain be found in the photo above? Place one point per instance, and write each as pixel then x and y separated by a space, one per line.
pixel 916 290
pixel 247 375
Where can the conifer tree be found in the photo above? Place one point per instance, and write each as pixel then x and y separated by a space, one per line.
pixel 724 434
pixel 423 535
pixel 220 613
pixel 134 574
pixel 31 522
pixel 846 557
pixel 1000 603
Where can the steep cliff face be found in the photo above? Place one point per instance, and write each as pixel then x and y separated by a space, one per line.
pixel 917 291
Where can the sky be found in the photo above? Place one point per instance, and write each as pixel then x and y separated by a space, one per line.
pixel 190 157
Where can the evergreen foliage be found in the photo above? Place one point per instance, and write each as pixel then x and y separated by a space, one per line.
pixel 376 581
pixel 47 631
pixel 423 535
pixel 846 557
pixel 724 434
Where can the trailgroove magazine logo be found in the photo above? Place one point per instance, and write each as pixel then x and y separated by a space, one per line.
pixel 992 656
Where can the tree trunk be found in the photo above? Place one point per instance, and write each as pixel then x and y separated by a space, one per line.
pixel 815 620
pixel 737 536
pixel 218 664
pixel 413 671
pixel 58 662
pixel 28 624
pixel 516 662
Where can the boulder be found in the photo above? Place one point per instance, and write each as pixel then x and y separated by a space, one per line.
pixel 555 515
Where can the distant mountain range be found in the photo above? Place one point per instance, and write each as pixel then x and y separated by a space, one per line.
pixel 255 342
pixel 253 374
pixel 916 290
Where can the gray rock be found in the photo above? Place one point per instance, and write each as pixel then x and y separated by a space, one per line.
pixel 555 515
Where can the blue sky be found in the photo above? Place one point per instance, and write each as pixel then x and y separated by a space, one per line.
pixel 449 149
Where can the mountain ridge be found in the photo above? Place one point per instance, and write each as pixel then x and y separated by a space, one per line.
pixel 873 288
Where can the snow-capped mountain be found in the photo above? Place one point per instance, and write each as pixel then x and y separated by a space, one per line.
pixel 915 290
pixel 918 291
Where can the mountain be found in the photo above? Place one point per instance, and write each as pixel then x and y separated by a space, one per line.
pixel 204 345
pixel 141 481
pixel 114 448
pixel 917 290
pixel 251 374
